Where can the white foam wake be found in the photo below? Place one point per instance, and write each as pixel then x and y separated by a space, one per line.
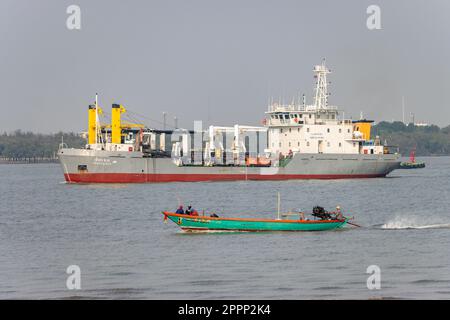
pixel 412 223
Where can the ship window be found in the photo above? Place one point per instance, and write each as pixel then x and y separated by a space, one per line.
pixel 340 144
pixel 281 130
pixel 348 130
pixel 298 144
pixel 332 117
pixel 298 129
pixel 310 116
pixel 307 129
pixel 307 144
pixel 289 130
pixel 340 130
pixel 328 130
pixel 289 144
pixel 286 116
pixel 301 115
pixel 328 144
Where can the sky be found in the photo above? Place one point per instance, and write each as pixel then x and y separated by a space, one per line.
pixel 219 61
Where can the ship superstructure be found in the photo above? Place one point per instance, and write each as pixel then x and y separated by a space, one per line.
pixel 317 128
pixel 297 141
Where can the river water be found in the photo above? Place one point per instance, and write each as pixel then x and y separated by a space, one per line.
pixel 116 235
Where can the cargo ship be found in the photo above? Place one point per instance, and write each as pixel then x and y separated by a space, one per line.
pixel 295 141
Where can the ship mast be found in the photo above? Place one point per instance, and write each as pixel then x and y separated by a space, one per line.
pixel 321 92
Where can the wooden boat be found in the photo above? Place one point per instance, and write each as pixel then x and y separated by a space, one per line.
pixel 205 223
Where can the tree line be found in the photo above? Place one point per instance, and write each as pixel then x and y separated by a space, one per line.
pixel 25 145
pixel 426 140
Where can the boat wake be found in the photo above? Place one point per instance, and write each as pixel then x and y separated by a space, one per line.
pixel 412 223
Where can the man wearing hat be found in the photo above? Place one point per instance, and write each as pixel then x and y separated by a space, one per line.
pixel 339 215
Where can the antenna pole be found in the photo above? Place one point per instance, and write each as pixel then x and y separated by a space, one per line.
pixel 96 118
pixel 164 120
pixel 403 109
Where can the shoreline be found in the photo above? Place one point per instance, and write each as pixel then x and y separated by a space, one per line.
pixel 28 160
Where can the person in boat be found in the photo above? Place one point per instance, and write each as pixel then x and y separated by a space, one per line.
pixel 180 210
pixel 213 215
pixel 191 211
pixel 338 213
pixel 301 214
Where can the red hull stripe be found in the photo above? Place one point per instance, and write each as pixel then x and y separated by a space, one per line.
pixel 143 178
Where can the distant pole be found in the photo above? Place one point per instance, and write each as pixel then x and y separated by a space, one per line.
pixel 403 109
pixel 96 118
pixel 164 120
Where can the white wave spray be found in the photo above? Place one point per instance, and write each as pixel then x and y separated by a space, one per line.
pixel 412 222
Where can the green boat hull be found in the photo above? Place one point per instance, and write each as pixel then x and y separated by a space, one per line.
pixel 412 165
pixel 200 223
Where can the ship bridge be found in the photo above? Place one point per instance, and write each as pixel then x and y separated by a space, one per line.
pixel 297 115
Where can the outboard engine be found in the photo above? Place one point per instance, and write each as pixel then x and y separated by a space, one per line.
pixel 321 213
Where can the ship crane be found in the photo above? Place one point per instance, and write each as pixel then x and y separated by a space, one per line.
pixel 97 132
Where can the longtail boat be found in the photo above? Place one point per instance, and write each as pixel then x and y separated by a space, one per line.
pixel 204 223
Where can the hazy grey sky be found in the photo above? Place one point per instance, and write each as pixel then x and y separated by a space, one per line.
pixel 219 61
